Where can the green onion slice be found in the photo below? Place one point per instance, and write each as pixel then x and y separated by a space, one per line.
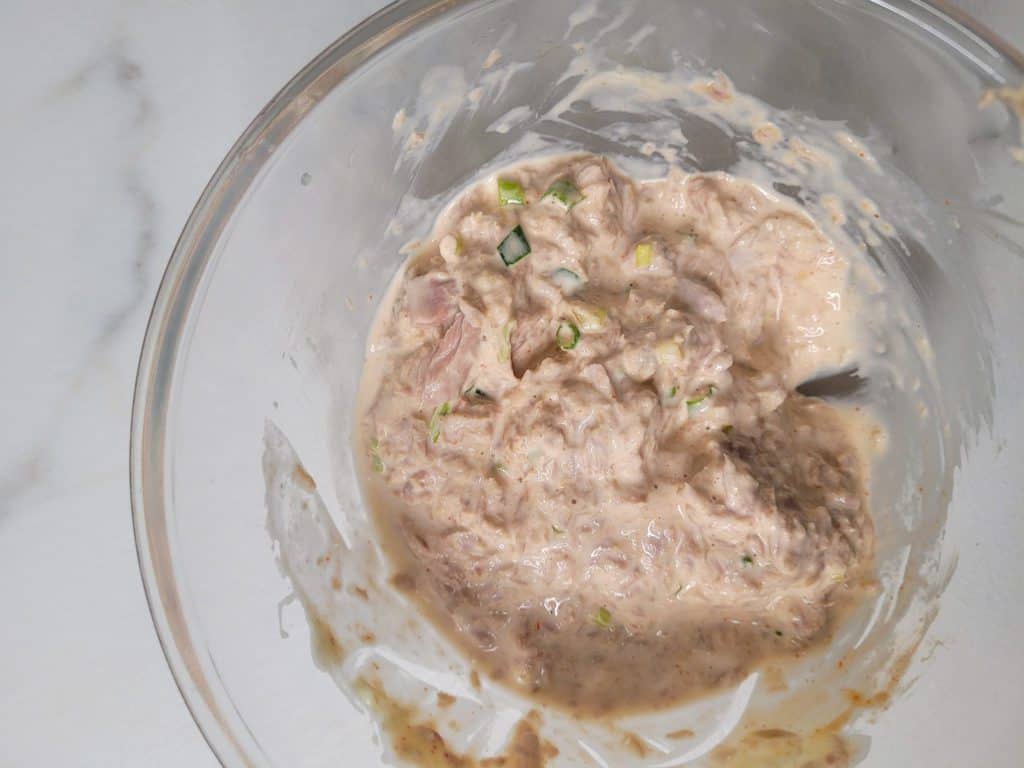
pixel 510 193
pixel 505 341
pixel 567 336
pixel 378 462
pixel 603 617
pixel 568 282
pixel 589 317
pixel 475 393
pixel 565 192
pixel 642 255
pixel 698 403
pixel 514 247
pixel 434 425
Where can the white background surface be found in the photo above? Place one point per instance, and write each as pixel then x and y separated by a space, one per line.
pixel 115 116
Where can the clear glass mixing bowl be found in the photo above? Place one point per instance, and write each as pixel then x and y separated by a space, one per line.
pixel 264 309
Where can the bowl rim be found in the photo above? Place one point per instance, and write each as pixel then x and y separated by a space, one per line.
pixel 187 265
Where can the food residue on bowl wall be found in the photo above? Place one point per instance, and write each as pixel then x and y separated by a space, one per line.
pixel 771 713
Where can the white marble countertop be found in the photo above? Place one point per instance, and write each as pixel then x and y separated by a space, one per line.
pixel 118 111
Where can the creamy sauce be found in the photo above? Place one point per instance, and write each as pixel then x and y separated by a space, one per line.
pixel 589 460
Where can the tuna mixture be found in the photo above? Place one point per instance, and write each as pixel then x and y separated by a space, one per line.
pixel 584 446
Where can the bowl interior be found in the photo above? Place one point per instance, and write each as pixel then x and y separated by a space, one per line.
pixel 265 309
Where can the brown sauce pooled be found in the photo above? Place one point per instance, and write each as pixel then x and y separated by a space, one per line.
pixel 418 742
pixel 782 748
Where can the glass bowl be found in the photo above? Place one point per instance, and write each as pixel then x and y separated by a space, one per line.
pixel 264 309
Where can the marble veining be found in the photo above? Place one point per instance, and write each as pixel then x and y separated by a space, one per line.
pixel 116 115
pixel 116 68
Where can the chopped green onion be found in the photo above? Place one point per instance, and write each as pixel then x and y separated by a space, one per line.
pixel 727 429
pixel 642 255
pixel 567 336
pixel 673 392
pixel 557 528
pixel 567 280
pixel 590 318
pixel 698 403
pixel 514 247
pixel 565 192
pixel 510 193
pixel 603 617
pixel 378 462
pixel 668 352
pixel 747 560
pixel 701 398
pixel 505 341
pixel 476 393
pixel 434 425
